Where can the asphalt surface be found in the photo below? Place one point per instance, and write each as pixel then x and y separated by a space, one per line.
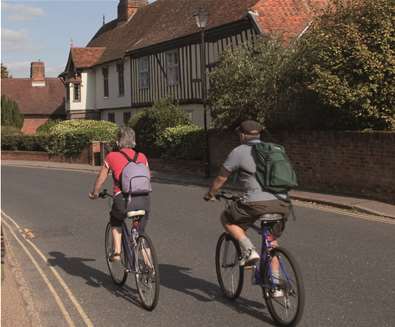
pixel 348 263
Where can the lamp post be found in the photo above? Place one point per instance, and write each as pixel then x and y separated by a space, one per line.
pixel 201 17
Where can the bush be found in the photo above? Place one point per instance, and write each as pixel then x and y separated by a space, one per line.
pixel 70 137
pixel 150 123
pixel 10 130
pixel 183 142
pixel 343 71
pixel 45 128
pixel 10 115
pixel 20 142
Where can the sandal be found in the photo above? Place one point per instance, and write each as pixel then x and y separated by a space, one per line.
pixel 115 257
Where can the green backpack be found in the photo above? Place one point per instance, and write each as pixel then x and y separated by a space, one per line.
pixel 274 171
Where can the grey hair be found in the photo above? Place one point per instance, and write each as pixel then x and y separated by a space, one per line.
pixel 126 137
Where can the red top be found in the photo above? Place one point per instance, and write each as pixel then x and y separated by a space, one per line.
pixel 116 161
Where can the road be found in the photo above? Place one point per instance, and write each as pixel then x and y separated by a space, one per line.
pixel 348 263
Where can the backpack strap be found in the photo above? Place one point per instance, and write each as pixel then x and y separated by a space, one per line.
pixel 136 154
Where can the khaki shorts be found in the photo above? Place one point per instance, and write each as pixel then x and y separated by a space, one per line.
pixel 245 214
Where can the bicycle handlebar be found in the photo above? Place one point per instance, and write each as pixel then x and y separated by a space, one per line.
pixel 104 194
pixel 226 196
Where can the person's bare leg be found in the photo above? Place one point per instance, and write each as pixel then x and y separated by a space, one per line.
pixel 117 239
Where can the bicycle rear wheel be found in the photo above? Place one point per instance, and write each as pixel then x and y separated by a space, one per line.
pixel 147 272
pixel 118 269
pixel 284 297
pixel 229 273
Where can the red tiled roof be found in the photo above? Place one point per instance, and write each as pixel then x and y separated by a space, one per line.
pixel 286 18
pixel 165 20
pixel 47 100
pixel 86 57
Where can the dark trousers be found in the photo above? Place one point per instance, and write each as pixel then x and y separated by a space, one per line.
pixel 121 205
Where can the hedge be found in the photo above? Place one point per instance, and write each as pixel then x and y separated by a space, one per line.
pixel 150 123
pixel 24 142
pixel 182 142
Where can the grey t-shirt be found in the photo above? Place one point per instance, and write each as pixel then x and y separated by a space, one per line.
pixel 240 160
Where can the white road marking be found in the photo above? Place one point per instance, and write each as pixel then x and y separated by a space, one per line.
pixel 41 272
pixel 345 212
pixel 71 296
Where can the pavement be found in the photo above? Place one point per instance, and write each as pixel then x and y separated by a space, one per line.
pixel 345 202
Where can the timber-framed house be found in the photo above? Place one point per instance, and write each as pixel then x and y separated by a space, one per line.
pixel 152 51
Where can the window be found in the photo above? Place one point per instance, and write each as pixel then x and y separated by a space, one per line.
pixel 121 82
pixel 143 73
pixel 77 92
pixel 126 117
pixel 67 92
pixel 111 117
pixel 172 68
pixel 105 81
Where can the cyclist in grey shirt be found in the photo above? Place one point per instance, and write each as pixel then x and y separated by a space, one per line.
pixel 255 201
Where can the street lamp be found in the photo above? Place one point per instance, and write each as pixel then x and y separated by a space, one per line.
pixel 201 17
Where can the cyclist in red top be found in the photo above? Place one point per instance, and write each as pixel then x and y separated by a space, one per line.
pixel 115 162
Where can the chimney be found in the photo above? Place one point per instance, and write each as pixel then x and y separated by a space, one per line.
pixel 37 73
pixel 127 8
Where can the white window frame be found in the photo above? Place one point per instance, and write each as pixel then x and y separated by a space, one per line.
pixel 143 65
pixel 78 87
pixel 172 67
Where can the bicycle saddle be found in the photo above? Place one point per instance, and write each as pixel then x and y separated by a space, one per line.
pixel 271 217
pixel 135 213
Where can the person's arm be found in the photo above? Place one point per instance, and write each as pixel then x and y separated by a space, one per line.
pixel 100 179
pixel 218 182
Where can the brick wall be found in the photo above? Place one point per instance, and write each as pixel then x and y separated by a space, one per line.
pixel 345 162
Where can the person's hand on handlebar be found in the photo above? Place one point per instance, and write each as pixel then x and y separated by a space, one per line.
pixel 93 195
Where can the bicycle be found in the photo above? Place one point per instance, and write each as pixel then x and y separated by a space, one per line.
pixel 280 291
pixel 138 256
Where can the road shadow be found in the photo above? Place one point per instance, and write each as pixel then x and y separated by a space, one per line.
pixel 181 279
pixel 77 266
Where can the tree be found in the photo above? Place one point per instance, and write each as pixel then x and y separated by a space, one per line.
pixel 4 72
pixel 245 83
pixel 342 75
pixel 10 115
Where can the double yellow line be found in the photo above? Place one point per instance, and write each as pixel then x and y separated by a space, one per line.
pixel 8 221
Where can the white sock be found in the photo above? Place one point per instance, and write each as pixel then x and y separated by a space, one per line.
pixel 246 244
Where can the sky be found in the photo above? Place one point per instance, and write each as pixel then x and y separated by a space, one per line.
pixel 44 30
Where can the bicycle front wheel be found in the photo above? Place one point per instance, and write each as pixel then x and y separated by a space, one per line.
pixel 283 289
pixel 229 273
pixel 117 269
pixel 147 272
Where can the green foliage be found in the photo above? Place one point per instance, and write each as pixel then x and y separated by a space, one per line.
pixel 15 142
pixel 183 142
pixel 150 123
pixel 10 130
pixel 70 137
pixel 245 83
pixel 10 115
pixel 45 128
pixel 342 75
pixel 4 72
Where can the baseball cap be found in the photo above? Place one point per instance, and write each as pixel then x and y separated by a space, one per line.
pixel 250 127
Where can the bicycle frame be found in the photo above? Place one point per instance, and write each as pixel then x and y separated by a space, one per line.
pixel 130 238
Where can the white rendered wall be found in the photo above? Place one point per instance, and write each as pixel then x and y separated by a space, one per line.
pixel 114 100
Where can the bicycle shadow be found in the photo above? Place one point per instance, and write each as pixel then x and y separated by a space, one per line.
pixel 76 266
pixel 180 279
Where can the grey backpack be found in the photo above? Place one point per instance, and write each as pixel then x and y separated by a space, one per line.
pixel 135 178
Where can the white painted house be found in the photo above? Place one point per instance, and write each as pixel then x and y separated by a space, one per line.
pixel 152 51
